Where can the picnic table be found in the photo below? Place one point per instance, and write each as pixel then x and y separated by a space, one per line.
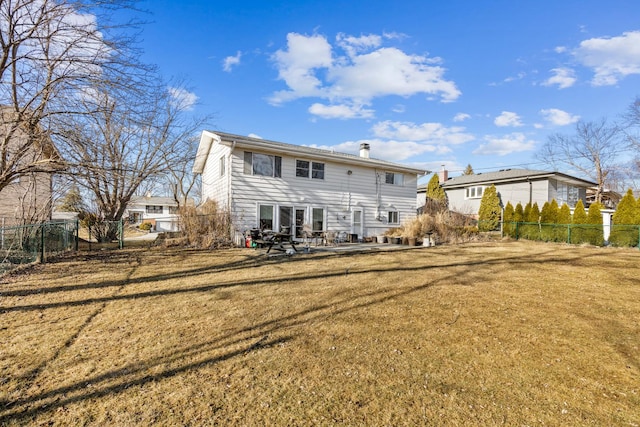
pixel 277 241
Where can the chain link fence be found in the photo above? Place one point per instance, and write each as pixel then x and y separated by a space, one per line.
pixel 25 244
pixel 36 242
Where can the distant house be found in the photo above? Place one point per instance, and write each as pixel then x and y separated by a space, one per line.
pixel 273 185
pixel 513 185
pixel 160 212
pixel 28 198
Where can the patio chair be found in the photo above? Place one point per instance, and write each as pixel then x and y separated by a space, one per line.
pixel 330 238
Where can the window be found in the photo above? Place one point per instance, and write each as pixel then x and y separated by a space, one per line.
pixel 222 166
pixel 393 178
pixel 317 170
pixel 262 164
pixel 474 192
pixel 173 210
pixel 393 217
pixel 567 194
pixel 266 217
pixel 303 167
pixel 151 209
pixel 317 215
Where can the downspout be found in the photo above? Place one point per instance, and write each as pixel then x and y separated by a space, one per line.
pixel 530 191
pixel 228 171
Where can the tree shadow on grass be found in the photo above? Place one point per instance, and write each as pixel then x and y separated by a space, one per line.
pixel 466 273
pixel 258 336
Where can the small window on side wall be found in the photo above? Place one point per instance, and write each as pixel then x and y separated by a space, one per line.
pixel 393 178
pixel 394 217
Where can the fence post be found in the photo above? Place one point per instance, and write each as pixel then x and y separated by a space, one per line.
pixel 42 260
pixel 120 234
pixel 517 230
pixel 77 233
pixel 569 233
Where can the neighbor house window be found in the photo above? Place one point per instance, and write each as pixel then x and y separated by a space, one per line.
pixel 394 218
pixel 393 178
pixel 222 166
pixel 567 194
pixel 304 169
pixel 474 192
pixel 173 210
pixel 317 215
pixel 151 209
pixel 266 217
pixel 262 164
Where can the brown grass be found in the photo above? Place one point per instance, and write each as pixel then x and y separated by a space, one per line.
pixel 514 333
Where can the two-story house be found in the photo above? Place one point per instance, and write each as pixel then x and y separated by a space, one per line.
pixel 272 185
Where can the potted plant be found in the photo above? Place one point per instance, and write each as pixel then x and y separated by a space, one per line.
pixel 394 235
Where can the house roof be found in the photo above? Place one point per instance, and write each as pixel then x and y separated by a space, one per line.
pixel 156 201
pixel 209 137
pixel 510 176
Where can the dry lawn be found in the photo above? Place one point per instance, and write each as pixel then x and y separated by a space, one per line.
pixel 502 333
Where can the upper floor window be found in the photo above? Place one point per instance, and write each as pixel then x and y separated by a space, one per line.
pixel 222 166
pixel 262 164
pixel 474 192
pixel 394 178
pixel 173 210
pixel 304 169
pixel 394 218
pixel 152 209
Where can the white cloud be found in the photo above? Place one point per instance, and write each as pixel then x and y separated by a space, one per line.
pixel 560 49
pixel 558 117
pixel 311 67
pixel 507 144
pixel 611 58
pixel 460 117
pixel 399 108
pixel 253 135
pixel 231 61
pixel 508 118
pixel 433 133
pixel 563 77
pixel 182 98
pixel 342 111
pixel 390 149
pixel 399 141
pixel 296 66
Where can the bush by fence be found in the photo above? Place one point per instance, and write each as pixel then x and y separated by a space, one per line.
pixel 620 235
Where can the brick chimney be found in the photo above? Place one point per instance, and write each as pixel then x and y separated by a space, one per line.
pixel 443 175
pixel 364 150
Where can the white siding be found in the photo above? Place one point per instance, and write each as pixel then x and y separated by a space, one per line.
pixel 214 185
pixel 336 193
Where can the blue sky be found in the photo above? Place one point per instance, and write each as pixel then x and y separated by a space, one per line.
pixel 425 83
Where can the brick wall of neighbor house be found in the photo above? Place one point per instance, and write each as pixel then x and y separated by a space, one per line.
pixel 26 201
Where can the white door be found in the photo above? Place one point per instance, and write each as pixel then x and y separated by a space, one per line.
pixel 356 222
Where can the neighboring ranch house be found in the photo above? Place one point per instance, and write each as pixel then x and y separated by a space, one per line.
pixel 161 212
pixel 272 185
pixel 28 198
pixel 513 185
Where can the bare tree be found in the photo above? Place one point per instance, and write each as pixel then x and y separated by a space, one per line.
pixel 125 141
pixel 50 50
pixel 594 150
pixel 180 179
